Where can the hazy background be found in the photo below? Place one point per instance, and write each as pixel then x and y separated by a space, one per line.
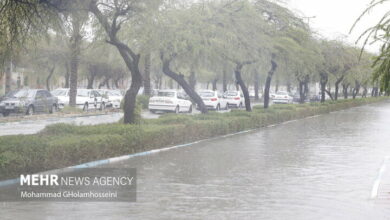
pixel 334 18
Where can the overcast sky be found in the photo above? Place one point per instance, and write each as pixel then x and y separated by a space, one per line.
pixel 334 18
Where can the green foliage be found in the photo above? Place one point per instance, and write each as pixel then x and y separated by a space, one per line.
pixel 143 100
pixel 382 68
pixel 380 33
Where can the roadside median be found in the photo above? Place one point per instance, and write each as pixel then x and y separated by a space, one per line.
pixel 63 145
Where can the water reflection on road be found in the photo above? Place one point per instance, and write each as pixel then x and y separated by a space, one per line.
pixel 316 168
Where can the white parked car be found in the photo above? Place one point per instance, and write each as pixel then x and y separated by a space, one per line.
pixel 85 99
pixel 170 101
pixel 112 98
pixel 234 99
pixel 62 96
pixel 213 100
pixel 282 97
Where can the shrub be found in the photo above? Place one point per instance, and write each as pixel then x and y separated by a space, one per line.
pixel 143 100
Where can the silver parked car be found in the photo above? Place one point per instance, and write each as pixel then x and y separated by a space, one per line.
pixel 28 101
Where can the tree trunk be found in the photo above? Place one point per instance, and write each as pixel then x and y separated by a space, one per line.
pixel 374 92
pixel 244 89
pixel 116 83
pixel 8 78
pixel 104 82
pixel 306 87
pixel 179 78
pixel 51 72
pixel 108 83
pixel 303 89
pixel 336 89
pixel 364 95
pixel 147 87
pixel 268 83
pixel 74 60
pixel 19 82
pixel 25 81
pixel 345 90
pixel 301 92
pixel 356 89
pixel 67 75
pixel 256 86
pixel 224 81
pixel 323 82
pixel 192 80
pixel 215 84
pixel 129 57
pixel 91 79
pixel 289 87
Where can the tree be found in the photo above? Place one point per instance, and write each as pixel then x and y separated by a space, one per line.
pixel 112 15
pixel 21 19
pixel 46 56
pixel 242 37
pixel 380 33
pixel 184 35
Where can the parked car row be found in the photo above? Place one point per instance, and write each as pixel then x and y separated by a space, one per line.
pixel 90 98
pixel 176 101
pixel 285 97
pixel 28 101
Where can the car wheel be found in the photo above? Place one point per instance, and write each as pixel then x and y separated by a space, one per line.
pixel 5 114
pixel 177 110
pixel 218 107
pixel 30 110
pixel 190 109
pixel 240 106
pixel 153 111
pixel 53 109
pixel 85 108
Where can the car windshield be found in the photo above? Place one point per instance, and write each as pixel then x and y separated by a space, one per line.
pixel 231 93
pixel 83 93
pixel 11 94
pixel 24 94
pixel 59 92
pixel 114 93
pixel 166 94
pixel 281 93
pixel 206 94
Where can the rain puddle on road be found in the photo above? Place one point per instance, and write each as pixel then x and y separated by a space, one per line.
pixel 316 168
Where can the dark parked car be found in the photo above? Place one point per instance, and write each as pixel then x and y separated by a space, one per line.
pixel 28 101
